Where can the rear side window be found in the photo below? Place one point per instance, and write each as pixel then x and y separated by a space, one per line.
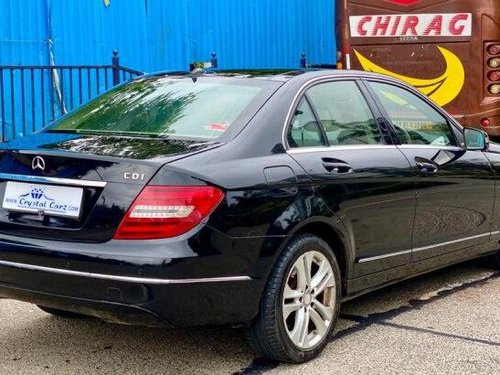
pixel 414 120
pixel 304 130
pixel 344 113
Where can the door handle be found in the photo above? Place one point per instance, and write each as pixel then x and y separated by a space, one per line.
pixel 426 165
pixel 336 166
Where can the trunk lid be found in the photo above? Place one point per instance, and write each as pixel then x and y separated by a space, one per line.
pixel 77 188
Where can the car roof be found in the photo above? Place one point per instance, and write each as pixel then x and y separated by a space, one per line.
pixel 280 75
pixel 264 74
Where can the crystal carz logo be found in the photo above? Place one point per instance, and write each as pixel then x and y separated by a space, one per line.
pixel 34 198
pixel 37 199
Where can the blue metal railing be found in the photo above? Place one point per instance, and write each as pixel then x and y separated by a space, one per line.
pixel 33 96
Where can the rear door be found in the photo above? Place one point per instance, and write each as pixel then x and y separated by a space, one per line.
pixel 455 187
pixel 335 135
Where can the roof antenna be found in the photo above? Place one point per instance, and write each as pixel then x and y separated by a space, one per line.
pixel 195 73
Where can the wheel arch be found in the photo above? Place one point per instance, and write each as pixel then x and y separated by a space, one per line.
pixel 335 237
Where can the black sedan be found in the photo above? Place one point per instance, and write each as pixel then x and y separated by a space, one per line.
pixel 261 198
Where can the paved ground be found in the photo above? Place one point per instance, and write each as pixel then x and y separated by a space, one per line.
pixel 446 322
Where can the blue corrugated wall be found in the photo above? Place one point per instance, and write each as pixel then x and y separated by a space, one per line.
pixel 164 34
pixel 153 35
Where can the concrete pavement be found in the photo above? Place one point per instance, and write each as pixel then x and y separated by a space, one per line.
pixel 446 322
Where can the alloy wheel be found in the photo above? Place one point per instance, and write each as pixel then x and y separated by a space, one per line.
pixel 309 299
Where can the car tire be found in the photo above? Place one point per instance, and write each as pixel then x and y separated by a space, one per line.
pixel 291 329
pixel 495 260
pixel 61 313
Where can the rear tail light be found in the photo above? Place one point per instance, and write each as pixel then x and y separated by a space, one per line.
pixel 167 211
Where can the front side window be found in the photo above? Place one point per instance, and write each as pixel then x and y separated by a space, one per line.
pixel 414 120
pixel 344 113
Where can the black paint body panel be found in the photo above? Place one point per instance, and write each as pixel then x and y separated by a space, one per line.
pixel 373 217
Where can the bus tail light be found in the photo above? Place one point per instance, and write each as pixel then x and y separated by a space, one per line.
pixel 485 122
pixel 494 89
pixel 494 49
pixel 492 68
pixel 494 76
pixel 494 63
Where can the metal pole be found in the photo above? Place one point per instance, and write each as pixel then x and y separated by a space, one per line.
pixel 213 61
pixel 303 61
pixel 115 62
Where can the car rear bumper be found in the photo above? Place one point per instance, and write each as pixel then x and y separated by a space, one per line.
pixel 189 290
pixel 110 311
pixel 126 300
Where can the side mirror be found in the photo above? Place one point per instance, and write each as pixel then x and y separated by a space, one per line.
pixel 476 139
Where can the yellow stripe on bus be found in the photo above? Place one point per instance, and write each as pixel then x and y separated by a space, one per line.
pixel 442 89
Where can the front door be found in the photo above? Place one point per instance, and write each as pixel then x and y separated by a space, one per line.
pixel 455 187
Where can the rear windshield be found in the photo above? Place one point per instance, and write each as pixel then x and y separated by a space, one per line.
pixel 166 107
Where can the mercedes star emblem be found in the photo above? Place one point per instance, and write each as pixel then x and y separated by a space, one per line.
pixel 38 163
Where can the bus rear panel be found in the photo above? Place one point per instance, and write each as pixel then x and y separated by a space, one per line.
pixel 450 50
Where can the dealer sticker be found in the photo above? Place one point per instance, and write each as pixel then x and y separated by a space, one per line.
pixel 47 199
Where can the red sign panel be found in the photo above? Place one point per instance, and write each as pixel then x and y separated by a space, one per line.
pixel 404 2
pixel 395 25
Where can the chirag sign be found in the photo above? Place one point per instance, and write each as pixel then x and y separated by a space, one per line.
pixel 395 25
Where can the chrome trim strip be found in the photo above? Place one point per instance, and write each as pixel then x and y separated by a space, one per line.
pixel 436 147
pixel 383 256
pixel 378 257
pixel 52 180
pixel 304 150
pixel 127 279
pixel 451 242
